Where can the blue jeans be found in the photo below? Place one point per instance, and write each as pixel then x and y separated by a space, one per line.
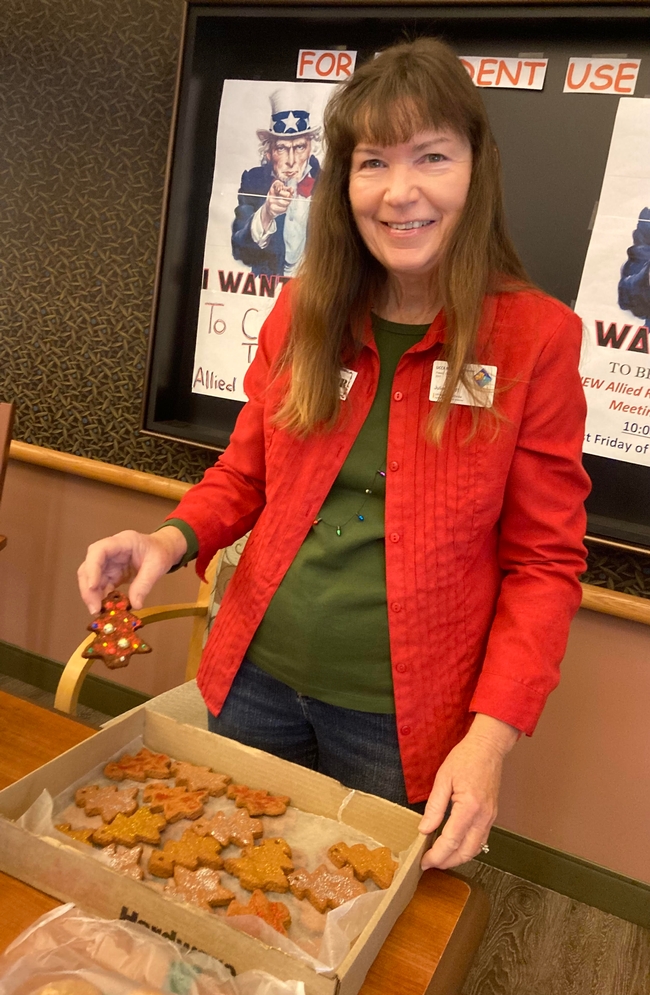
pixel 360 749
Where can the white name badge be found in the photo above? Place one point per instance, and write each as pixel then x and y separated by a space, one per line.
pixel 345 383
pixel 484 377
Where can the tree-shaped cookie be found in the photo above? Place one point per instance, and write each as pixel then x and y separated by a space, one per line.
pixel 275 913
pixel 236 828
pixel 143 765
pixel 174 803
pixel 202 887
pixel 144 826
pixel 125 859
pixel 262 866
pixel 323 889
pixel 190 851
pixel 107 802
pixel 200 778
pixel 82 835
pixel 257 801
pixel 377 864
pixel 115 627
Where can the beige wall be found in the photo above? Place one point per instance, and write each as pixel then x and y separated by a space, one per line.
pixel 581 784
pixel 50 518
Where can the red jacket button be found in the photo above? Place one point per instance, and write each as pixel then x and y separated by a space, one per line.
pixel 394 465
pixel 397 396
pixel 394 537
pixel 396 607
pixel 405 730
pixel 401 668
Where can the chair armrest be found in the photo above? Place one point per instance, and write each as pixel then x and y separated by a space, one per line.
pixel 75 670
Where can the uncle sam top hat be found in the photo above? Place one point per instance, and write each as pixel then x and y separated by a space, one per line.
pixel 289 115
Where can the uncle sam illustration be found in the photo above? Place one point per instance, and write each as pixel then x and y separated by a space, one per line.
pixel 268 233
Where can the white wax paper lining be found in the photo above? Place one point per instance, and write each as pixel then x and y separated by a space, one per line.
pixel 322 941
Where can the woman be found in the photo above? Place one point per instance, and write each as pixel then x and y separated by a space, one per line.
pixel 410 460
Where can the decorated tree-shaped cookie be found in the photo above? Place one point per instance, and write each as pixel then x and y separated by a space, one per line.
pixel 115 627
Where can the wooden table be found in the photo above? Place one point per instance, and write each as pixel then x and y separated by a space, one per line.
pixel 428 952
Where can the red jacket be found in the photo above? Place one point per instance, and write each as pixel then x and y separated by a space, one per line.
pixel 483 537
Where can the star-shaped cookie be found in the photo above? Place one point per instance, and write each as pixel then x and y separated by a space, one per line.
pixel 143 765
pixel 200 778
pixel 174 803
pixel 237 828
pixel 262 866
pixel 107 802
pixel 202 887
pixel 275 913
pixel 190 851
pixel 257 801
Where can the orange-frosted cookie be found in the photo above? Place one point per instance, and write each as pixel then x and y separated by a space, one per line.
pixel 325 890
pixel 107 802
pixel 275 913
pixel 200 778
pixel 202 887
pixel 257 801
pixel 174 803
pixel 125 859
pixel 83 835
pixel 237 828
pixel 143 765
pixel 142 827
pixel 377 864
pixel 262 866
pixel 190 851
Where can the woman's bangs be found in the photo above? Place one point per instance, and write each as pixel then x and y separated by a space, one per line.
pixel 384 119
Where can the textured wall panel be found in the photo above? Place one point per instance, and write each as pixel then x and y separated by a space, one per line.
pixel 86 91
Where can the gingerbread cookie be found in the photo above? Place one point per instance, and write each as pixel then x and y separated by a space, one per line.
pixel 275 913
pixel 202 887
pixel 115 627
pixel 262 866
pixel 141 827
pixel 377 864
pixel 237 828
pixel 323 889
pixel 190 851
pixel 125 859
pixel 82 835
pixel 200 778
pixel 174 803
pixel 107 802
pixel 143 765
pixel 257 801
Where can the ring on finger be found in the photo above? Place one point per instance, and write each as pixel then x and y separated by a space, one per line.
pixel 485 848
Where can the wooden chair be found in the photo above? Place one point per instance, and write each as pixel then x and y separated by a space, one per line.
pixel 7 412
pixel 203 610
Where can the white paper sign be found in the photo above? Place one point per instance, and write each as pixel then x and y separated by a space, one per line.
pixel 614 297
pixel 325 64
pixel 484 378
pixel 601 76
pixel 506 73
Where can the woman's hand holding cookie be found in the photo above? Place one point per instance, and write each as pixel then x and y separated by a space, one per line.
pixel 129 556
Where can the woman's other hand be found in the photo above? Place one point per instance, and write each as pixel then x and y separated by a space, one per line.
pixel 470 778
pixel 129 555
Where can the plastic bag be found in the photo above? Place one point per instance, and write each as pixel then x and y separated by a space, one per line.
pixel 68 952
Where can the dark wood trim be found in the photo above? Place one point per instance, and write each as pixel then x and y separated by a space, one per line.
pixel 39 671
pixel 569 875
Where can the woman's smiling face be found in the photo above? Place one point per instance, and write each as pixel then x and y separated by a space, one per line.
pixel 406 198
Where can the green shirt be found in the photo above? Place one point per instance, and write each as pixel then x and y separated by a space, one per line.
pixel 325 632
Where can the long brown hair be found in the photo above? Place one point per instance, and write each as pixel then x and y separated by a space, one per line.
pixel 408 88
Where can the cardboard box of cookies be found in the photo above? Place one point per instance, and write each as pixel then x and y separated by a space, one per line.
pixel 65 869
